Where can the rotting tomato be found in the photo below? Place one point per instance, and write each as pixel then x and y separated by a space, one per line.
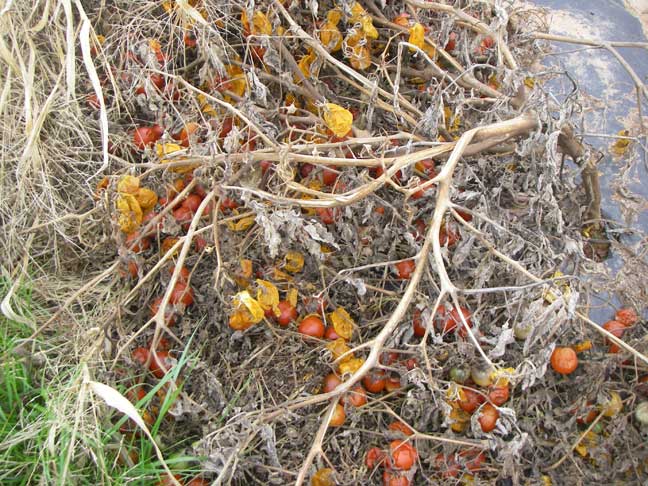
pixel 169 314
pixel 338 417
pixel 417 324
pixel 564 360
pixel 137 243
pixel 398 426
pixel 357 396
pixel 329 175
pixel 498 395
pixel 403 454
pixel 311 326
pixel 331 382
pixel 405 269
pixel 375 457
pixel 374 381
pixel 617 329
pixel 288 313
pixel 392 478
pixel 146 136
pixel 626 316
pixel 392 383
pixel 488 417
pixel 470 400
pixel 181 294
pixel 326 215
pixel 183 274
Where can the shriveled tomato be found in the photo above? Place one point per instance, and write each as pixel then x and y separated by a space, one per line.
pixel 169 314
pixel 564 360
pixel 447 465
pixel 326 215
pixel 182 294
pixel 392 384
pixel 617 329
pixel 626 316
pixel 393 478
pixel 137 243
pixel 147 136
pixel 470 400
pixel 375 457
pixel 398 426
pixel 403 454
pixel 488 417
pixel 287 313
pixel 311 326
pixel 405 269
pixel 374 381
pixel 417 324
pixel 499 395
pixel 305 170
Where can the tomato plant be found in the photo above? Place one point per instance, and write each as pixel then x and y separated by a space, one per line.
pixel 488 417
pixel 311 326
pixel 564 360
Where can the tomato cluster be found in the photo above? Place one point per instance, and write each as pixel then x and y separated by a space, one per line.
pixel 398 460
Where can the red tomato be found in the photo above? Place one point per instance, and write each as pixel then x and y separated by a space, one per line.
pixel 417 324
pixel 136 243
pixel 627 316
pixel 190 40
pixel 288 313
pixel 339 416
pixel 470 400
pixel 183 215
pixel 326 215
pixel 399 426
pixel 498 395
pixel 453 321
pixel 329 176
pixel 375 457
pixel 169 314
pixel 147 136
pixel 405 269
pixel 488 417
pixel 403 454
pixel 616 329
pixel 226 127
pixel 448 234
pixel 305 170
pixel 140 355
pixel 391 478
pixel 184 274
pixel 266 165
pixel 357 396
pixel 452 42
pixel 331 382
pixel 374 381
pixel 181 294
pixel 330 334
pixel 427 167
pixel 311 326
pixel 191 202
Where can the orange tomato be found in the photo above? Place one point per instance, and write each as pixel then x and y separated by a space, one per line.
pixel 488 417
pixel 181 294
pixel 403 454
pixel 338 417
pixel 627 316
pixel 357 396
pixel 499 395
pixel 169 314
pixel 398 426
pixel 311 326
pixel 374 381
pixel 470 400
pixel 564 360
pixel 331 382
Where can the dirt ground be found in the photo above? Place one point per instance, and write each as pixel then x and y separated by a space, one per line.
pixel 324 242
